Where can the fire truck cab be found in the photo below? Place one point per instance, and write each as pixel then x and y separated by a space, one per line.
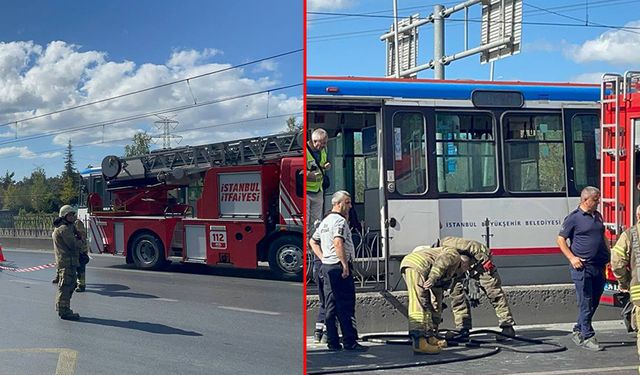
pixel 244 206
pixel 619 159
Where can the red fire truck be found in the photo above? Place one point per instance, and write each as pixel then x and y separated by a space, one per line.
pixel 230 203
pixel 619 158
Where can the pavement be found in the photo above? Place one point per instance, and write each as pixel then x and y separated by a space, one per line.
pixel 618 357
pixel 190 319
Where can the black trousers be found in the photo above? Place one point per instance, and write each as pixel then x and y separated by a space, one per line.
pixel 339 304
pixel 318 278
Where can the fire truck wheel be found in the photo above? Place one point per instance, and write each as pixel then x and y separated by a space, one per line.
pixel 147 251
pixel 285 256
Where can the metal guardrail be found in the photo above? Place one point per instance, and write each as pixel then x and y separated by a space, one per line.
pixel 27 225
pixel 26 232
pixel 368 266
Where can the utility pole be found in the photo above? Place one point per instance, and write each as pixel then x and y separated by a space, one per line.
pixel 438 42
pixel 395 37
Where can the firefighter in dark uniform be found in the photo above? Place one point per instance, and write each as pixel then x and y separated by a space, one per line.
pixel 67 249
pixel 624 264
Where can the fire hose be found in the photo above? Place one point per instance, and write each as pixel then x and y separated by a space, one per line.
pixel 456 339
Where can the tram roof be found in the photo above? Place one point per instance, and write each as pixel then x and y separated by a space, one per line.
pixel 446 89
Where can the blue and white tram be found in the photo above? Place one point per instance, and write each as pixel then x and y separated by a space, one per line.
pixel 427 159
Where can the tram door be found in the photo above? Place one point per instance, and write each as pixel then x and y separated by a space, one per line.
pixel 412 216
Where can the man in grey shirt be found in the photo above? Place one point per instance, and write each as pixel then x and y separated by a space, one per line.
pixel 331 242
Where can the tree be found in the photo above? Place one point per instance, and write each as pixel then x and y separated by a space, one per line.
pixel 70 179
pixel 68 194
pixel 40 193
pixel 69 163
pixel 292 125
pixel 140 146
pixel 7 180
pixel 16 197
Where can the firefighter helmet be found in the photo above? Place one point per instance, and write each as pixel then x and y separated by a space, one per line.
pixel 66 209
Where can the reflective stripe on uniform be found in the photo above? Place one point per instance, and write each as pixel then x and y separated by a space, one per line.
pixel 619 251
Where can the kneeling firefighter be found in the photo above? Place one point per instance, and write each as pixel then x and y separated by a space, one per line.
pixel 465 292
pixel 427 271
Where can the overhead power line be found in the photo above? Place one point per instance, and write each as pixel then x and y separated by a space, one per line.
pixel 147 114
pixel 94 143
pixel 633 29
pixel 429 8
pixel 153 87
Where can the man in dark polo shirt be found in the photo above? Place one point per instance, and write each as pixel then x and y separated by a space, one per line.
pixel 588 255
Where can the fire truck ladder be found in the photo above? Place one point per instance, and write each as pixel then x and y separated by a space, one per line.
pixel 631 82
pixel 193 158
pixel 611 151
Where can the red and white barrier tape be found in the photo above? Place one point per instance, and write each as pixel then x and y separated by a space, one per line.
pixel 28 269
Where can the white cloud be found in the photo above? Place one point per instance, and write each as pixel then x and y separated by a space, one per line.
pixel 615 47
pixel 41 79
pixel 317 5
pixel 189 58
pixel 594 77
pixel 266 66
pixel 24 153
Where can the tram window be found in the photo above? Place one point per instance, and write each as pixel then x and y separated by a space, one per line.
pixel 465 153
pixel 534 153
pixel 409 154
pixel 586 165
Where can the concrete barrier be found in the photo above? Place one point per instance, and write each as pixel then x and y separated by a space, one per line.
pixel 26 243
pixel 531 304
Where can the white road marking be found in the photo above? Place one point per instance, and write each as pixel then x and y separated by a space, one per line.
pixel 249 310
pixel 67 358
pixel 165 299
pixel 601 370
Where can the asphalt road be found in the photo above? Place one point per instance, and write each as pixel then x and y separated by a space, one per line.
pixel 619 356
pixel 188 320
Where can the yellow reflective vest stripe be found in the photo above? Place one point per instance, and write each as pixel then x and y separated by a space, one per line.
pixel 315 185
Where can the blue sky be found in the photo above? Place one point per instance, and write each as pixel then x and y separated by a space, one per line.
pixel 56 54
pixel 350 45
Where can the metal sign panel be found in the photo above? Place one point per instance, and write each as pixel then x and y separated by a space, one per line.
pixel 500 23
pixel 407 46
pixel 240 194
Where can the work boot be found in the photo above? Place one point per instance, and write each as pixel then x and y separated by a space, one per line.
pixel 440 343
pixel 80 288
pixel 70 315
pixel 55 280
pixel 592 344
pixel 460 336
pixel 422 346
pixel 508 331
